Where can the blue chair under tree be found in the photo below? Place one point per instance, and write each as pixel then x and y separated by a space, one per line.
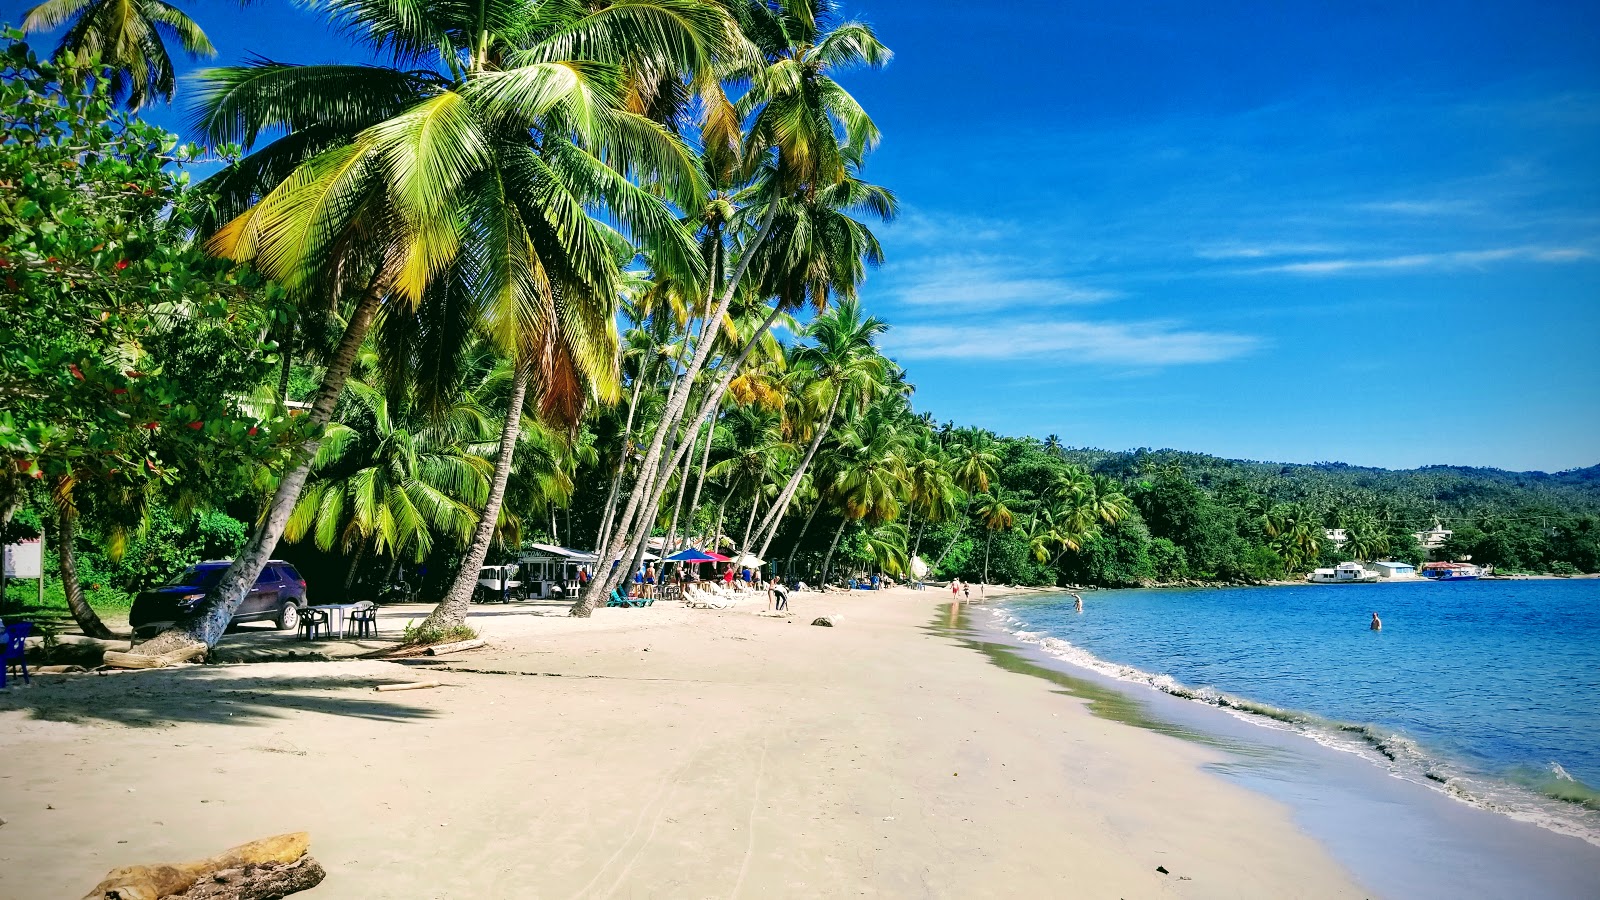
pixel 16 645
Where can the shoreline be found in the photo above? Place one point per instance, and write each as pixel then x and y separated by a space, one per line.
pixel 1343 797
pixel 667 751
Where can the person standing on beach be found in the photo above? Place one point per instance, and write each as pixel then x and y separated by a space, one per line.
pixel 966 590
pixel 955 586
pixel 1377 623
pixel 777 595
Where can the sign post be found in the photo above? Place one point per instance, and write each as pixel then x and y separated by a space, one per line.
pixel 25 559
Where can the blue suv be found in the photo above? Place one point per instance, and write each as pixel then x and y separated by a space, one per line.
pixel 278 596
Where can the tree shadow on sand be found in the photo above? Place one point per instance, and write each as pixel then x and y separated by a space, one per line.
pixel 216 695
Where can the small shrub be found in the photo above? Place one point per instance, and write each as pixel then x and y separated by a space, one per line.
pixel 419 635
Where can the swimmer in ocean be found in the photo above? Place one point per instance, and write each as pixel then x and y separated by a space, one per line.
pixel 1377 623
pixel 1078 602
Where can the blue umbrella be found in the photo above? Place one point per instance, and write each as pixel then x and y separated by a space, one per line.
pixel 693 555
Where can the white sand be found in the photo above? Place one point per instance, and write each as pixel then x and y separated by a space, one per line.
pixel 682 753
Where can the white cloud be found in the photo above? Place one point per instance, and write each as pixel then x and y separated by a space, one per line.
pixel 984 282
pixel 1122 343
pixel 1453 260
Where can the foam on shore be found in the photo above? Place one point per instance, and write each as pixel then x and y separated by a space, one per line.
pixel 1549 798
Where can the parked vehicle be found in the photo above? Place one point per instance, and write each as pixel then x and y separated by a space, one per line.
pixel 279 596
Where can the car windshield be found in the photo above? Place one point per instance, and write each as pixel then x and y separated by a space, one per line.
pixel 205 578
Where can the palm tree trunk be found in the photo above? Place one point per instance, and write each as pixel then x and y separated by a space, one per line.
pixel 208 622
pixel 452 610
pixel 82 612
pixel 755 504
pixel 622 464
pixel 355 566
pixel 284 363
pixel 952 545
pixel 788 564
pixel 986 542
pixel 705 459
pixel 917 544
pixel 677 505
pixel 774 517
pixel 677 404
pixel 827 561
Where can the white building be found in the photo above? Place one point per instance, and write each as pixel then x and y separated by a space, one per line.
pixel 1433 538
pixel 1394 569
pixel 1338 535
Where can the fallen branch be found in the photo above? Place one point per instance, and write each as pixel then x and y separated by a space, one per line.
pixel 457 647
pixel 168 880
pixel 410 686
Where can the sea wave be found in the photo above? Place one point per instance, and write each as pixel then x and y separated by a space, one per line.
pixel 1550 797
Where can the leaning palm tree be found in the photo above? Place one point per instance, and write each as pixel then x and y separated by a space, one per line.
pixel 475 172
pixel 804 132
pixel 845 366
pixel 126 36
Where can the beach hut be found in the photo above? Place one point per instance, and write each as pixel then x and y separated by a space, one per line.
pixel 546 567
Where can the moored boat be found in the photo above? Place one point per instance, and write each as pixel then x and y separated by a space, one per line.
pixel 1452 571
pixel 1343 573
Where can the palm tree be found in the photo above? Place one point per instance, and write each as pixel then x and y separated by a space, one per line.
pixel 973 463
pixel 844 366
pixel 805 134
pixel 394 483
pixel 869 475
pixel 467 186
pixel 127 37
pixel 994 511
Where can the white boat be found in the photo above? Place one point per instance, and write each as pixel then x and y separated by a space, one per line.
pixel 1343 573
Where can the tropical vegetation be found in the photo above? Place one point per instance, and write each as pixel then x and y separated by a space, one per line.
pixel 584 274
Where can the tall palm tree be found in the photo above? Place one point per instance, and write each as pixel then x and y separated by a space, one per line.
pixel 869 475
pixel 128 37
pixel 994 511
pixel 845 366
pixel 805 133
pixel 465 180
pixel 973 465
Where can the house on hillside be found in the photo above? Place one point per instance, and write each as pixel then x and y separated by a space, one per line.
pixel 1339 536
pixel 1433 538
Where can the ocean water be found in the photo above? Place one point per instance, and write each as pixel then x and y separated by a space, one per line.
pixel 1488 691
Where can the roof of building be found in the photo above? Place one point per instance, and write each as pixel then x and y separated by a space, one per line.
pixel 1394 564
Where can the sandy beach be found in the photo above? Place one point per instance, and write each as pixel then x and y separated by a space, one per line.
pixel 661 752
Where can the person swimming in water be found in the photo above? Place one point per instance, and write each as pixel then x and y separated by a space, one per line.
pixel 1077 602
pixel 1377 623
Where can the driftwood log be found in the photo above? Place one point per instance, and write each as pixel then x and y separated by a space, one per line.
pixel 118 659
pixel 260 870
pixel 455 647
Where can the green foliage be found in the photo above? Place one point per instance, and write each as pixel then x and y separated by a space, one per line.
pixel 416 635
pixel 125 345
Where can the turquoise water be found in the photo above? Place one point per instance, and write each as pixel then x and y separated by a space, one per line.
pixel 1487 690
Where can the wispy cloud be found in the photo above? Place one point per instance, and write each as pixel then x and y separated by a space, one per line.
pixel 1459 259
pixel 1422 208
pixel 1263 251
pixel 1120 343
pixel 984 282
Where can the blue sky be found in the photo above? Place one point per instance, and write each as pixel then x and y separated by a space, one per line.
pixel 1355 231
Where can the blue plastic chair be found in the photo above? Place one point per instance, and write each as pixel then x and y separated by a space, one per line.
pixel 16 637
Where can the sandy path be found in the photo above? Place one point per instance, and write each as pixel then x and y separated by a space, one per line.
pixel 681 753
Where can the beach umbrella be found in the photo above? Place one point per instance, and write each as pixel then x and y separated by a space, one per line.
pixel 752 561
pixel 919 569
pixel 694 555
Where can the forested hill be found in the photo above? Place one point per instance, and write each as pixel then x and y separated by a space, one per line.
pixel 1445 491
pixel 1148 516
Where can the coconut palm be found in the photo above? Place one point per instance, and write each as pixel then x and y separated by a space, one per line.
pixel 844 367
pixel 805 133
pixel 385 480
pixel 868 475
pixel 973 463
pixel 128 37
pixel 467 179
pixel 994 512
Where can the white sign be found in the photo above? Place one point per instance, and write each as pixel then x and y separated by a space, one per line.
pixel 24 560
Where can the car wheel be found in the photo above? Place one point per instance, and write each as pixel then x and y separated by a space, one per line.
pixel 289 617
